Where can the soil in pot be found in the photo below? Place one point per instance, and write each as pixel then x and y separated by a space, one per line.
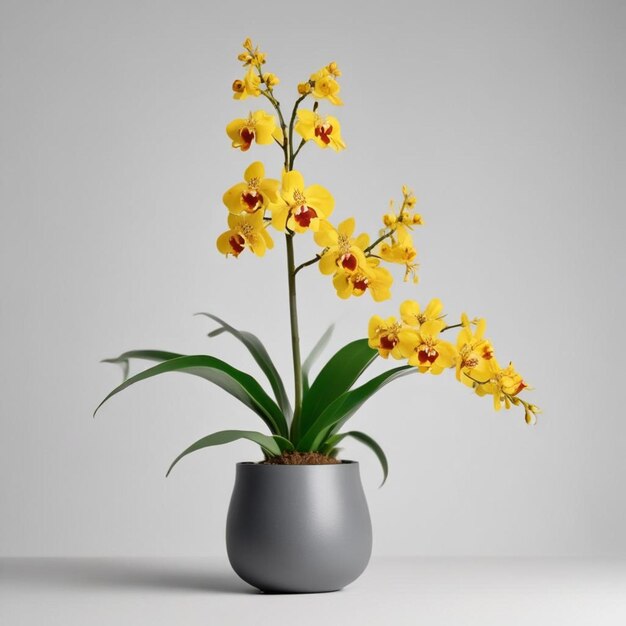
pixel 301 458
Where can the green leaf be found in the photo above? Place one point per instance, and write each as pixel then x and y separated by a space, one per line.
pixel 336 377
pixel 261 356
pixel 345 406
pixel 148 355
pixel 322 342
pixel 237 383
pixel 269 444
pixel 333 440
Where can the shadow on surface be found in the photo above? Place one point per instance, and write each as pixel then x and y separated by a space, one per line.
pixel 108 574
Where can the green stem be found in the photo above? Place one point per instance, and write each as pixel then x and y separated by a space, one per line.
pixel 315 259
pixel 381 238
pixel 451 326
pixel 291 124
pixel 295 338
pixel 295 154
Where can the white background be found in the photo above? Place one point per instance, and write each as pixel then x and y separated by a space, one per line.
pixel 507 120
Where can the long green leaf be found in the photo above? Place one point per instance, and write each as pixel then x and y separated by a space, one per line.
pixel 345 406
pixel 333 440
pixel 148 355
pixel 261 356
pixel 322 342
pixel 269 444
pixel 336 377
pixel 237 383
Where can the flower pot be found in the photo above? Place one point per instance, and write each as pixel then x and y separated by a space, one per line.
pixel 298 528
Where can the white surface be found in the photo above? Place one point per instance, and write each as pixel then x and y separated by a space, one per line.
pixel 398 592
pixel 507 118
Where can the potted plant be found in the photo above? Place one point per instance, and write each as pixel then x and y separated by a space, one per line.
pixel 298 519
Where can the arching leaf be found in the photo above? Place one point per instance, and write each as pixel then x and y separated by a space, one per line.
pixel 271 446
pixel 335 378
pixel 322 342
pixel 333 440
pixel 237 383
pixel 148 355
pixel 260 355
pixel 346 405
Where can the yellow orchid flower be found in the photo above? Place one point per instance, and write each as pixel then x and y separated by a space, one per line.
pixel 245 231
pixel 341 250
pixel 370 277
pixel 502 384
pixel 473 349
pixel 302 207
pixel 259 126
pixel 386 336
pixel 427 352
pixel 401 251
pixel 257 192
pixel 324 84
pixel 412 314
pixel 325 132
pixel 249 86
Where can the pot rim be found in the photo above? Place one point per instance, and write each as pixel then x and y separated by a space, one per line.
pixel 346 462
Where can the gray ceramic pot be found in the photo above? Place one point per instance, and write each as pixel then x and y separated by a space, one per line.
pixel 298 528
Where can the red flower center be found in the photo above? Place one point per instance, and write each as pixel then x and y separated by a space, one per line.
pixel 252 199
pixel 388 342
pixel 324 132
pixel 348 262
pixel 427 355
pixel 237 244
pixel 303 216
pixel 247 136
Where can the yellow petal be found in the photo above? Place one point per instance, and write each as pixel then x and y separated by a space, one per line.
pixel 292 181
pixel 362 241
pixel 232 130
pixel 409 310
pixel 434 308
pixel 328 264
pixel 223 244
pixel 320 199
pixel 279 216
pixel 342 285
pixel 232 198
pixel 346 227
pixel 257 244
pixel 269 189
pixel 326 236
pixel 254 170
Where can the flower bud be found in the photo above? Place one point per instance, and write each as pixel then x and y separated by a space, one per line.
pixel 389 220
pixel 304 88
pixel 333 69
pixel 270 79
pixel 247 44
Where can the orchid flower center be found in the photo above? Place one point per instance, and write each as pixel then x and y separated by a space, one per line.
pixel 426 352
pixel 303 213
pixel 247 133
pixel 251 198
pixel 323 130
pixel 346 259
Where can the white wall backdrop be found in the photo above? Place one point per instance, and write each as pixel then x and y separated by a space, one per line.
pixel 506 118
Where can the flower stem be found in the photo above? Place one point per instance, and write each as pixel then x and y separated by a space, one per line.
pixel 295 337
pixel 315 259
pixel 291 124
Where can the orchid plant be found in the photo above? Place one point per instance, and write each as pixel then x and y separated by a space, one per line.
pixel 314 426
